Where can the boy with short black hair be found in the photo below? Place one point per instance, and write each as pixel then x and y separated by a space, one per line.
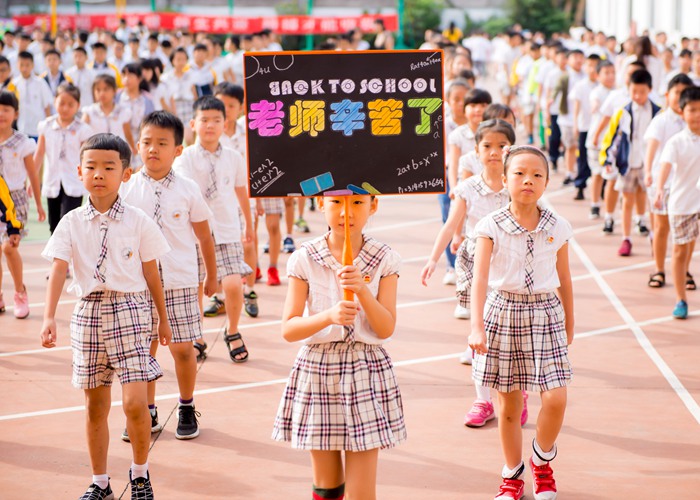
pixel 624 147
pixel 563 90
pixel 203 75
pixel 221 172
pixel 580 96
pixel 53 74
pixel 35 97
pixel 179 210
pixel 82 76
pixel 682 154
pixel 100 65
pixel 114 248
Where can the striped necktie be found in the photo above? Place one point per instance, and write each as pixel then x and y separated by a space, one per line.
pixel 100 268
pixel 529 263
pixel 349 336
pixel 212 187
pixel 156 211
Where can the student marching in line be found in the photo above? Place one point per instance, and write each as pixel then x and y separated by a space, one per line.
pixel 34 94
pixel 105 116
pixel 134 96
pixel 16 167
pixel 682 154
pixel 220 174
pixel 181 90
pixel 521 330
pixel 664 126
pixel 330 405
pixel 60 139
pixel 178 208
pixel 113 248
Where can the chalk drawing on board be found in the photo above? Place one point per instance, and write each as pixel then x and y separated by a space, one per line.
pixel 318 184
pixel 280 66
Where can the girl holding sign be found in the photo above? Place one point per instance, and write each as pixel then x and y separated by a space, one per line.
pixel 342 395
pixel 521 331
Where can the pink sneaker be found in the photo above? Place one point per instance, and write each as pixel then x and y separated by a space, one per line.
pixel 21 304
pixel 523 415
pixel 480 413
pixel 511 489
pixel 543 485
pixel 625 249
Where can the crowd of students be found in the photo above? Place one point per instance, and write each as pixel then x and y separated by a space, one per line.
pixel 157 232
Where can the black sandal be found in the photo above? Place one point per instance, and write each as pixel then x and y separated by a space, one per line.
pixel 236 351
pixel 690 282
pixel 201 350
pixel 656 280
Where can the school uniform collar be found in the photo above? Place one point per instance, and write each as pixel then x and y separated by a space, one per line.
pixel 115 212
pixel 115 110
pixel 693 136
pixel 371 253
pixel 216 154
pixel 505 220
pixel 12 141
pixel 73 125
pixel 166 181
pixel 482 188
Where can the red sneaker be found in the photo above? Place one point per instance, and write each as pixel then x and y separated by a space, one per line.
pixel 273 277
pixel 511 489
pixel 543 485
pixel 258 274
pixel 625 249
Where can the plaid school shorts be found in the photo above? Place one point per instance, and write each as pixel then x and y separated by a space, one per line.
pixel 464 268
pixel 630 181
pixel 341 396
pixel 684 228
pixel 229 260
pixel 182 307
pixel 21 201
pixel 109 333
pixel 183 110
pixel 527 345
pixel 651 196
pixel 273 206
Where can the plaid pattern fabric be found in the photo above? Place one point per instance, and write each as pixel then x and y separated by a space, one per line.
pixel 158 186
pixel 11 143
pixel 651 196
pixel 183 110
pixel 630 181
pixel 529 263
pixel 526 339
pixel 464 268
pixel 273 206
pixel 341 397
pixel 212 187
pixel 21 201
pixel 684 228
pixel 229 260
pixel 109 333
pixel 371 254
pixel 115 213
pixel 182 307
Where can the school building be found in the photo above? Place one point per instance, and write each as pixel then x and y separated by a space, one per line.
pixel 675 17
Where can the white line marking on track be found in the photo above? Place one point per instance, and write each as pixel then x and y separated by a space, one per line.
pixel 639 334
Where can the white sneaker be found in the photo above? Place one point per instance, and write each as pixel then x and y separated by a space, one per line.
pixel 450 278
pixel 462 312
pixel 466 357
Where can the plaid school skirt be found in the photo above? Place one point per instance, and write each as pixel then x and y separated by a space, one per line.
pixel 527 345
pixel 341 396
pixel 464 268
pixel 110 333
pixel 21 201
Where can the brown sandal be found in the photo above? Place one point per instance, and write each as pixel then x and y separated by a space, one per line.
pixel 657 280
pixel 201 350
pixel 236 351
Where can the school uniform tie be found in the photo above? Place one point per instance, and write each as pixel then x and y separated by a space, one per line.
pixel 62 154
pixel 349 336
pixel 529 263
pixel 157 216
pixel 100 268
pixel 212 187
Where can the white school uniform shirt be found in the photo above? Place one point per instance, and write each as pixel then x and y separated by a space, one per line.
pixel 237 141
pixel 469 163
pixel 551 80
pixel 34 97
pixel 181 204
pixel 481 200
pixel 507 271
pixel 235 61
pixel 315 264
pixel 83 79
pixel 13 151
pixel 112 123
pixel 662 127
pixel 220 64
pixel 641 118
pixel 463 138
pixel 132 238
pixel 545 68
pixel 567 120
pixel 596 99
pixel 158 93
pixel 582 93
pixel 203 75
pixel 682 151
pixel 179 87
pixel 194 163
pixel 62 156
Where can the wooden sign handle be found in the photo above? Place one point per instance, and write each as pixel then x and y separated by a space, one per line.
pixel 347 245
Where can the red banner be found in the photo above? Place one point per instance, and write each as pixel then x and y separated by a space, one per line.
pixel 284 25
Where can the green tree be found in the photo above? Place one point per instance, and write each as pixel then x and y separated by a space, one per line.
pixel 548 16
pixel 420 15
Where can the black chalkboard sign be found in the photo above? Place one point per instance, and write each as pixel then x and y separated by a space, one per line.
pixel 329 120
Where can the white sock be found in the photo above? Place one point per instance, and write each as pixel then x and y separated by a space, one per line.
pixel 626 238
pixel 139 470
pixel 101 480
pixel 540 457
pixel 608 216
pixel 483 393
pixel 637 219
pixel 514 473
pixel 595 205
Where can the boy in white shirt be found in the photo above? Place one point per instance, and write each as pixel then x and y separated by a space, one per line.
pixel 53 74
pixel 682 153
pixel 81 76
pixel 580 96
pixel 179 209
pixel 221 172
pixel 203 76
pixel 35 97
pixel 664 126
pixel 114 248
pixel 100 66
